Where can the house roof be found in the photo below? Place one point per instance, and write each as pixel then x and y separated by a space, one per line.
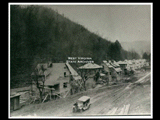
pixel 73 72
pixel 114 64
pixel 118 69
pixel 129 62
pixel 111 64
pixel 101 74
pixel 107 64
pixel 90 66
pixel 56 74
pixel 14 95
pixel 105 68
pixel 121 62
pixel 104 61
pixel 75 75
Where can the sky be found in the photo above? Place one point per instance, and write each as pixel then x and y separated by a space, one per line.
pixel 112 22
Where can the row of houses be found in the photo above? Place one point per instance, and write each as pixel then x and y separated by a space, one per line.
pixel 133 64
pixel 60 75
pixel 57 81
pixel 62 80
pixel 116 71
pixel 136 64
pixel 112 70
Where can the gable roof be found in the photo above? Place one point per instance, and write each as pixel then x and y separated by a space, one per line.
pixel 75 75
pixel 121 62
pixel 56 74
pixel 73 72
pixel 107 64
pixel 114 64
pixel 117 69
pixel 90 66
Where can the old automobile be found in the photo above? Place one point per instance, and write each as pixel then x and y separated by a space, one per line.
pixel 82 104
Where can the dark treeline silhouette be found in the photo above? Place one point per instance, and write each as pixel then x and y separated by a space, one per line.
pixel 39 34
pixel 146 56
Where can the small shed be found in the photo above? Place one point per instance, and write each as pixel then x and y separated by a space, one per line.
pixel 15 102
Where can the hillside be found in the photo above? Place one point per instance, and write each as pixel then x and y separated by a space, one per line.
pixel 39 34
pixel 139 46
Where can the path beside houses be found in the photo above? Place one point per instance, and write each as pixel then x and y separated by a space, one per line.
pixel 103 100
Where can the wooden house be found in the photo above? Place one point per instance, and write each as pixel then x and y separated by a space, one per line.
pixel 14 102
pixel 122 65
pixel 107 70
pixel 114 70
pixel 56 76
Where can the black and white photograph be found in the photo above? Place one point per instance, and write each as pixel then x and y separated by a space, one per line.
pixel 80 60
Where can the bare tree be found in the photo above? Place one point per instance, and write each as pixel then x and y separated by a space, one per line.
pixel 39 80
pixel 83 74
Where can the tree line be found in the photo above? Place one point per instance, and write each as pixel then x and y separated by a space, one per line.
pixel 146 56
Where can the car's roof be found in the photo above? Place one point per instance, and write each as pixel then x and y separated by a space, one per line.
pixel 83 98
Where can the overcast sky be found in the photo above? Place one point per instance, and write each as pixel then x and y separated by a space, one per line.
pixel 113 22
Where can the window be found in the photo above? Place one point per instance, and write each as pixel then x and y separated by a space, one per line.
pixel 65 85
pixel 103 67
pixel 64 74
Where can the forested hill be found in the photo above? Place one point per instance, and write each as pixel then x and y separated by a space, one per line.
pixel 39 34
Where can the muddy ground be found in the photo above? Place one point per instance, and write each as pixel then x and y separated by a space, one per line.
pixel 103 100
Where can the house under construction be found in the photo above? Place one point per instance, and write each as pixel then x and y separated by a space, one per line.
pixel 58 78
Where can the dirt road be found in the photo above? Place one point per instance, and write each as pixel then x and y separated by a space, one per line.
pixel 125 99
pixel 133 95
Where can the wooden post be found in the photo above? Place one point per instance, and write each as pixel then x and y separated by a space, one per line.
pixel 45 98
pixel 66 94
